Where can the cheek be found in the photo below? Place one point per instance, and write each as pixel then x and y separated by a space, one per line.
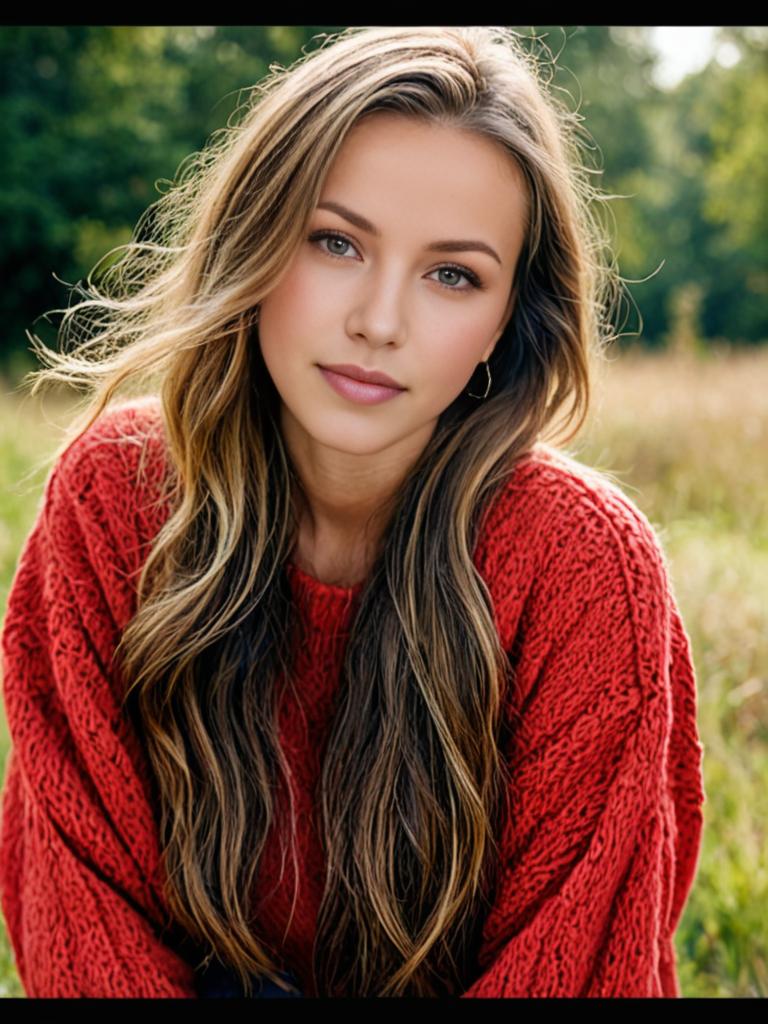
pixel 300 289
pixel 289 319
pixel 451 362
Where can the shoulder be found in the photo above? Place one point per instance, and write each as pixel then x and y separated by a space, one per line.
pixel 566 533
pixel 553 505
pixel 113 444
pixel 92 528
pixel 123 444
pixel 107 477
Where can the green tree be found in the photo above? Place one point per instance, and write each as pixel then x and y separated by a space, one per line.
pixel 94 117
pixel 736 185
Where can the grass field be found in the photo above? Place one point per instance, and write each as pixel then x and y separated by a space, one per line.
pixel 687 439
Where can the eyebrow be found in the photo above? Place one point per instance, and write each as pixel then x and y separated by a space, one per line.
pixel 447 245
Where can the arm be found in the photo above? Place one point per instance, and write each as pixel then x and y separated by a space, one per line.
pixel 79 863
pixel 600 848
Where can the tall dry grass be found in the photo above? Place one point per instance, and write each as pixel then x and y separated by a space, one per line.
pixel 688 439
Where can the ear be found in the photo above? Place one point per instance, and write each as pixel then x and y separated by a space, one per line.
pixel 504 321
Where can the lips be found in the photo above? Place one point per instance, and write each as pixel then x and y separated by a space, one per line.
pixel 361 374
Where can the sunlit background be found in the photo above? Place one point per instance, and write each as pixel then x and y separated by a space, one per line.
pixel 688 49
pixel 96 120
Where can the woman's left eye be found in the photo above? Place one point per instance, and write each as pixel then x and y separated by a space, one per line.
pixel 472 278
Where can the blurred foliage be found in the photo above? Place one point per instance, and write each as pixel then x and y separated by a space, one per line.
pixel 96 117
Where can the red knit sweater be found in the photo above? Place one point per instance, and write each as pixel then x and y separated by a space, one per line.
pixel 601 849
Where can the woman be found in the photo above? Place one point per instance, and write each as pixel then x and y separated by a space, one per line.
pixel 322 664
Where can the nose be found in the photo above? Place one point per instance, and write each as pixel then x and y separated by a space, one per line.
pixel 378 314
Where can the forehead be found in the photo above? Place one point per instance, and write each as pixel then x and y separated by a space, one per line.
pixel 434 176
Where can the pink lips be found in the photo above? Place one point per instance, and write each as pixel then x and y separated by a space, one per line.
pixel 359 391
pixel 360 373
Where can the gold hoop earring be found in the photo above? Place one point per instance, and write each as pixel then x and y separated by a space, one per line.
pixel 488 385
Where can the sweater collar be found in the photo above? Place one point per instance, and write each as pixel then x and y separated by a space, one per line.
pixel 324 604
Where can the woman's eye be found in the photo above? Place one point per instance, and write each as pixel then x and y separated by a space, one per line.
pixel 332 239
pixel 336 241
pixel 455 274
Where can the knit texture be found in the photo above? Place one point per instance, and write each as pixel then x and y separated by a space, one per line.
pixel 601 846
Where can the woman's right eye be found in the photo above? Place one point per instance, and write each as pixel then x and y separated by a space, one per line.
pixel 332 236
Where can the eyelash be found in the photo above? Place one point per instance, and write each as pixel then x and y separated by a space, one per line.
pixel 470 275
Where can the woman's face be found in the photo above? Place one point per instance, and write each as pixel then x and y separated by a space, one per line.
pixel 410 290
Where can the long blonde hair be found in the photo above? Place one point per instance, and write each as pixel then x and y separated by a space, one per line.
pixel 413 777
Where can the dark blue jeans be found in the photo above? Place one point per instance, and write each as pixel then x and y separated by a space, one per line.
pixel 215 982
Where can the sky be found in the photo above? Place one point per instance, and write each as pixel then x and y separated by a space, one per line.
pixel 687 49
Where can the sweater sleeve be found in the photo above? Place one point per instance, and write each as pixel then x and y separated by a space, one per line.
pixel 602 836
pixel 79 881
